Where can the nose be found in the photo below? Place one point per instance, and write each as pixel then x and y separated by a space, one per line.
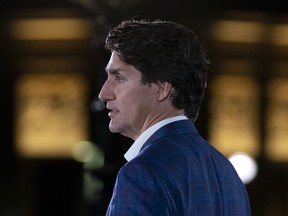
pixel 106 92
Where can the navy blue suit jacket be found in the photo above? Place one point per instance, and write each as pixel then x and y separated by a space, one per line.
pixel 178 173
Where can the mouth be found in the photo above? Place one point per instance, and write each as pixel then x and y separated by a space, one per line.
pixel 112 111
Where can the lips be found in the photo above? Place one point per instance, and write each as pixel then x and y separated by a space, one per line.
pixel 112 111
pixel 110 114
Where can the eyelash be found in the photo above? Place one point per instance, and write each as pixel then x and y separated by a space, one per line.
pixel 119 78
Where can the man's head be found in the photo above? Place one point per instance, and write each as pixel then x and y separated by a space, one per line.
pixel 164 52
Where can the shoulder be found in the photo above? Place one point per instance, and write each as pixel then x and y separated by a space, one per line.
pixel 183 154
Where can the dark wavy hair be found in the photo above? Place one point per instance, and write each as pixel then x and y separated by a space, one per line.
pixel 167 52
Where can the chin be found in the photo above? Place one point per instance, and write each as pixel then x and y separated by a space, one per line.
pixel 113 128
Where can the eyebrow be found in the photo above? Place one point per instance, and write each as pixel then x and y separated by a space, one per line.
pixel 113 71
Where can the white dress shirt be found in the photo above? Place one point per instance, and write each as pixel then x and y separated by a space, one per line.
pixel 139 142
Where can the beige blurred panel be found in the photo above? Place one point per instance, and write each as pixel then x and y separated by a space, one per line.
pixel 50 29
pixel 238 31
pixel 234 111
pixel 51 114
pixel 279 35
pixel 277 120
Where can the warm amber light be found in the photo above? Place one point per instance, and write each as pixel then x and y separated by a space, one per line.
pixel 50 114
pixel 50 29
pixel 277 117
pixel 234 114
pixel 279 35
pixel 238 31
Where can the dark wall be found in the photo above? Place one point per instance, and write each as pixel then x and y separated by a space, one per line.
pixel 42 187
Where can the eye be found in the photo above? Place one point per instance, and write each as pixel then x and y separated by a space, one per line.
pixel 119 78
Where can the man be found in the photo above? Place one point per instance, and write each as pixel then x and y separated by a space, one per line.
pixel 154 89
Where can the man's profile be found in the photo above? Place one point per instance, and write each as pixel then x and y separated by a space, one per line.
pixel 156 80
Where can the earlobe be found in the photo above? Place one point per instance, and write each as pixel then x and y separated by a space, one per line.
pixel 164 90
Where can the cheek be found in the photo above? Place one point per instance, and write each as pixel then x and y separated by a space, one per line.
pixel 129 105
pixel 135 102
pixel 140 103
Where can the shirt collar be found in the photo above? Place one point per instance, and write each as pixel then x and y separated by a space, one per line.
pixel 139 142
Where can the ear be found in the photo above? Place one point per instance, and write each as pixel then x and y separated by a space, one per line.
pixel 164 90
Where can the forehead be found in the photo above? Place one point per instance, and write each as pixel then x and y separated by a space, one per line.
pixel 115 62
pixel 117 65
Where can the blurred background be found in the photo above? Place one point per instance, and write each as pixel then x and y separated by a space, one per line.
pixel 57 156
